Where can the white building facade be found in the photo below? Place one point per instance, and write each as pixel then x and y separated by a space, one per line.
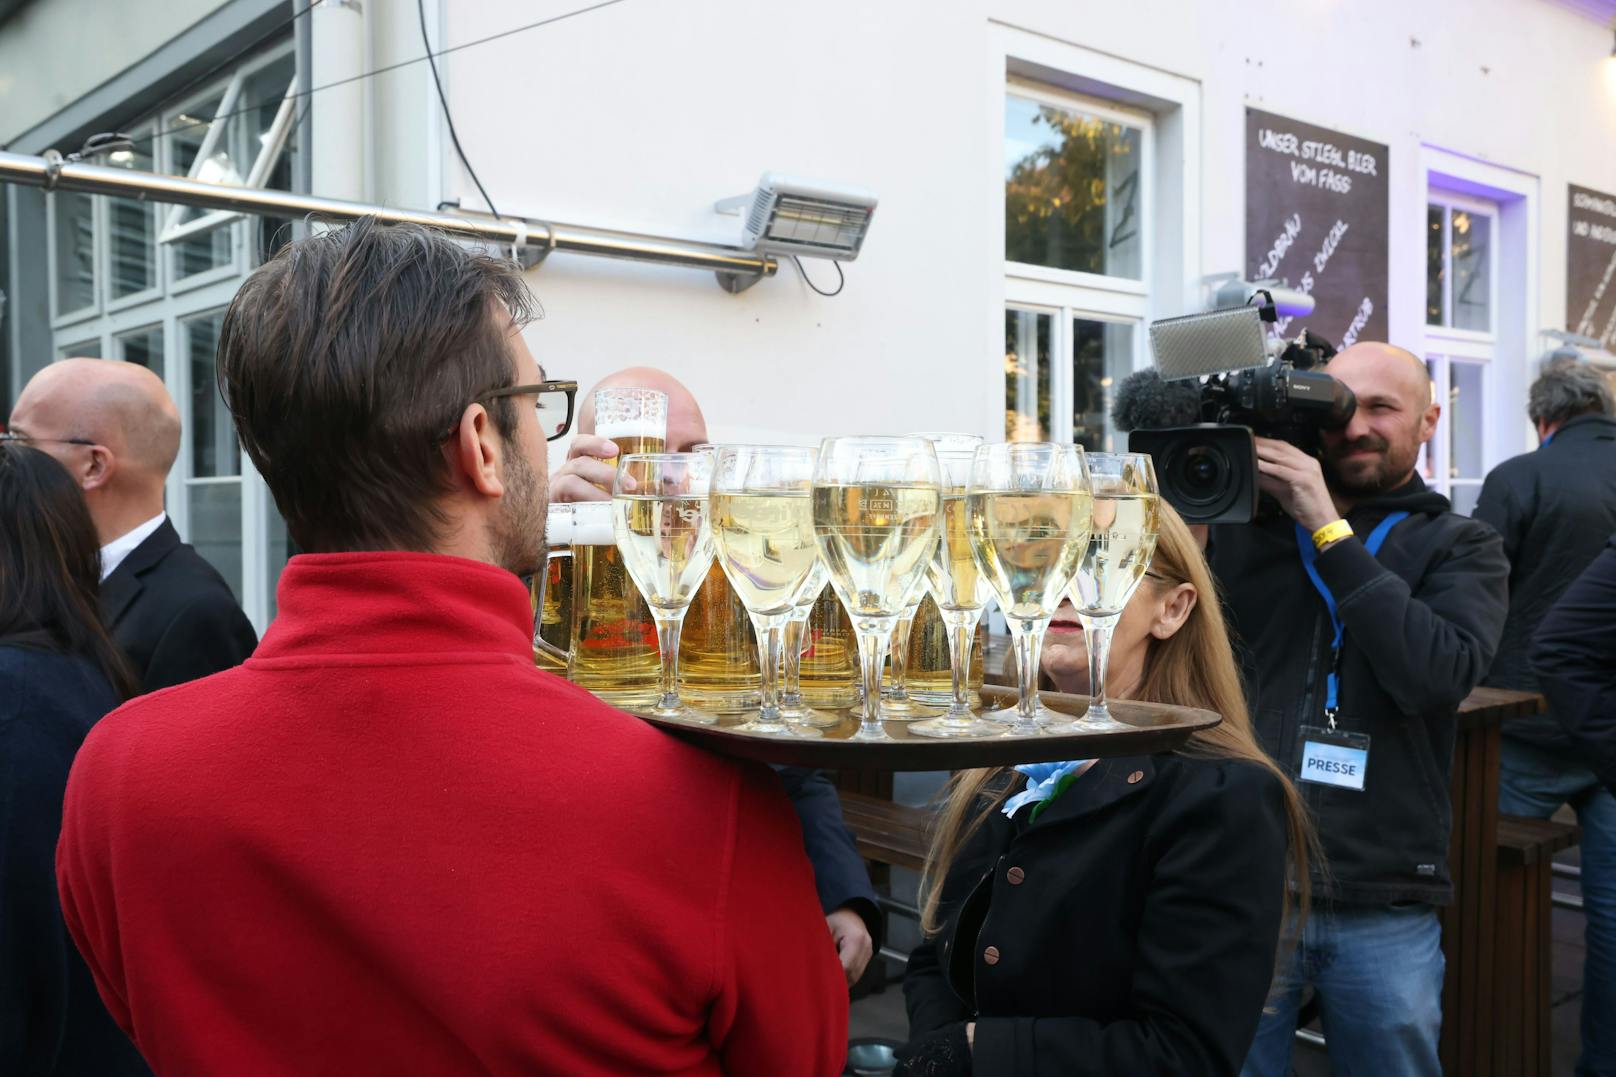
pixel 958 314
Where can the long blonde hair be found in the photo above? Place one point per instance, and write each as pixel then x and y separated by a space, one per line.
pixel 1194 667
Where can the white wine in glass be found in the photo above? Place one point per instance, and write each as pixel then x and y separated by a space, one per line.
pixel 1029 514
pixel 1126 522
pixel 660 518
pixel 877 516
pixel 763 527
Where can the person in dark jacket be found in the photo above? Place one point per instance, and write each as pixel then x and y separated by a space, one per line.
pixel 116 430
pixel 1419 624
pixel 59 674
pixel 1122 917
pixel 1555 508
pixel 1574 657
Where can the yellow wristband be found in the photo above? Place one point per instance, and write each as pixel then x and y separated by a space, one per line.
pixel 1336 529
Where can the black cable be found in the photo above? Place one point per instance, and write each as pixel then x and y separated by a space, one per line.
pixel 426 43
pixel 378 71
pixel 841 278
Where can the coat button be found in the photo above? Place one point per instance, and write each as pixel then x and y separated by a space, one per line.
pixel 1136 777
pixel 1016 876
pixel 991 955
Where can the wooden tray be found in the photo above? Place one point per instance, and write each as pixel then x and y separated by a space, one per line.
pixel 1157 728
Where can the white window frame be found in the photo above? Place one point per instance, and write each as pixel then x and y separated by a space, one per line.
pixel 1107 112
pixel 1476 207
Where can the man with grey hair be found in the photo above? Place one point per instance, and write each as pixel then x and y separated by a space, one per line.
pixel 117 431
pixel 1556 509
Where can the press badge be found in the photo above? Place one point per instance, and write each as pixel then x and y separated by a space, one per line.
pixel 1334 757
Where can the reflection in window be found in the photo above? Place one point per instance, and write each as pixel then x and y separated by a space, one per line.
pixel 84 349
pixel 1465 421
pixel 132 228
pixel 215 527
pixel 1435 277
pixel 1026 375
pixel 75 251
pixel 189 129
pixel 143 347
pixel 1102 355
pixel 214 449
pixel 1072 194
pixel 1472 277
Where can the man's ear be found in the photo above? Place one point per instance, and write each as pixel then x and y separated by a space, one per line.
pixel 1176 607
pixel 1433 412
pixel 99 470
pixel 474 452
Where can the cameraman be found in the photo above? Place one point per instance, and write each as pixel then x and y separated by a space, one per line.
pixel 1419 596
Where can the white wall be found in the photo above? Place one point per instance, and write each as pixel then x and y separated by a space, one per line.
pixel 52 52
pixel 640 115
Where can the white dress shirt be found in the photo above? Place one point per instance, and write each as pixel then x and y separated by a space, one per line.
pixel 113 553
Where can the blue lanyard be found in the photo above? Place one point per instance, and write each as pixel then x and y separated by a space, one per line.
pixel 1304 543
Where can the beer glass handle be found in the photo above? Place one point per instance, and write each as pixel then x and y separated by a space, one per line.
pixel 542 585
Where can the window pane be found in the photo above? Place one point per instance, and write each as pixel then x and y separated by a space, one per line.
pixel 215 526
pixel 1433 265
pixel 1465 420
pixel 1464 497
pixel 281 549
pixel 84 349
pixel 186 132
pixel 75 252
pixel 1072 193
pixel 1472 271
pixel 132 229
pixel 260 99
pixel 1026 375
pixel 143 347
pixel 214 450
pixel 1102 355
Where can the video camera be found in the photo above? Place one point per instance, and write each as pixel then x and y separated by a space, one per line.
pixel 1216 387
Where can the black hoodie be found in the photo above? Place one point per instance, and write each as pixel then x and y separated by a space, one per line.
pixel 1422 623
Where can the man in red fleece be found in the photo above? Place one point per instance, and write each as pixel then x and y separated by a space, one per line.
pixel 387 843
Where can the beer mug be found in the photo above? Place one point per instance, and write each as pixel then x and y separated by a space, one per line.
pixel 830 675
pixel 931 675
pixel 718 665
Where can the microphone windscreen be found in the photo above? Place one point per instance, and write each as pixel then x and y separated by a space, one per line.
pixel 1146 402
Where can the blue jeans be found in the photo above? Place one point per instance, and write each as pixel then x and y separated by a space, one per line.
pixel 1377 970
pixel 1535 782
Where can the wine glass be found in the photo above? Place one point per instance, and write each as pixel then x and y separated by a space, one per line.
pixel 877 517
pixel 1126 510
pixel 961 593
pixel 1028 510
pixel 795 642
pixel 660 518
pixel 763 527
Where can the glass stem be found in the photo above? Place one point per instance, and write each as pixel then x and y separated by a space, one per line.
pixel 961 635
pixel 668 627
pixel 1097 631
pixel 795 630
pixel 900 657
pixel 872 656
pixel 768 633
pixel 1029 642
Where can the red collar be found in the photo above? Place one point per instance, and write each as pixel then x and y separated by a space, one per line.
pixel 397 603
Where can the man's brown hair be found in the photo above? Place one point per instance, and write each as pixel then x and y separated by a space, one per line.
pixel 346 360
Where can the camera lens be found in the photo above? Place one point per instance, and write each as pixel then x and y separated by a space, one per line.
pixel 1201 474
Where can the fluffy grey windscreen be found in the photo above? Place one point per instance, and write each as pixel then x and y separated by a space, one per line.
pixel 1210 343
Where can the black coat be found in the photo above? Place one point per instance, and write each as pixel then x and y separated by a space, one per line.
pixel 1554 508
pixel 1575 659
pixel 52 1020
pixel 172 614
pixel 1141 937
pixel 839 872
pixel 1422 625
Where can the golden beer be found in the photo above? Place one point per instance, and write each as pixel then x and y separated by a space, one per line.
pixel 830 656
pixel 931 677
pixel 718 664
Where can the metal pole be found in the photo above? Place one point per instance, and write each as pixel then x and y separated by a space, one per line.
pixel 520 232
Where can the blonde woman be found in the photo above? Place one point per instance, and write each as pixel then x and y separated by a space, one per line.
pixel 1120 916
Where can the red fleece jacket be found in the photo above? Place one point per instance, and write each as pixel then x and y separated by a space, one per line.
pixel 388 844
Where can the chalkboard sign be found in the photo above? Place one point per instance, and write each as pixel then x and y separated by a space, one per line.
pixel 1316 219
pixel 1591 265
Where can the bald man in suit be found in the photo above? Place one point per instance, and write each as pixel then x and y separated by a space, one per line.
pixel 116 429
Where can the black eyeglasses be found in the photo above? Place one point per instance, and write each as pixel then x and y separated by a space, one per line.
pixel 553 402
pixel 29 439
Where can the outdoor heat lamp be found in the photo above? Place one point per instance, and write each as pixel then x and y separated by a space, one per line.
pixel 786 215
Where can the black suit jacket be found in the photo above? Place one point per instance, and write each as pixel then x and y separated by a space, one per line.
pixel 1575 660
pixel 172 614
pixel 839 872
pixel 1133 927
